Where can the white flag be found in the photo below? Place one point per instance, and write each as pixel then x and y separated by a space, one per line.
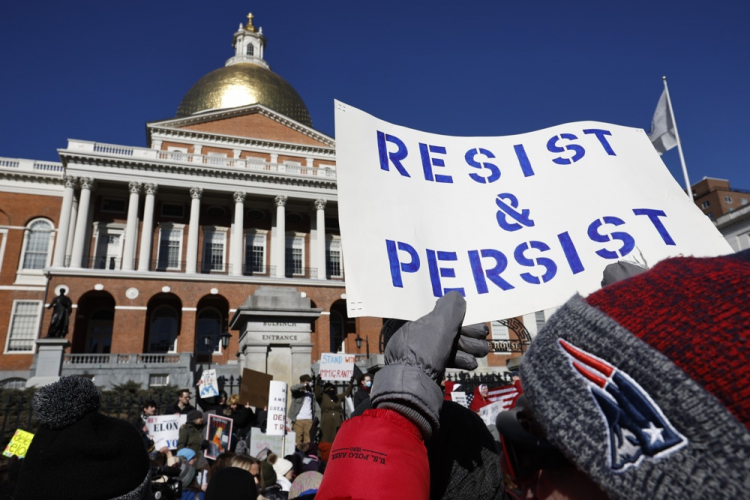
pixel 662 134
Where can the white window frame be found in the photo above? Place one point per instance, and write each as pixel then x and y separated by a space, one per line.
pixel 498 331
pixel 10 326
pixel 211 230
pixel 34 276
pixel 178 153
pixel 291 239
pixel 330 240
pixel 705 204
pixel 743 201
pixel 250 235
pixel 728 199
pixel 166 379
pixel 4 238
pixel 169 226
pixel 105 230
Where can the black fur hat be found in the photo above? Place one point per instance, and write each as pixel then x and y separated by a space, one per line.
pixel 80 454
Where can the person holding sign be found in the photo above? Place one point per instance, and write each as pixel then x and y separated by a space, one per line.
pixel 304 410
pixel 386 444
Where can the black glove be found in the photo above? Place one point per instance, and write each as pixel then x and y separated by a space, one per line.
pixel 417 356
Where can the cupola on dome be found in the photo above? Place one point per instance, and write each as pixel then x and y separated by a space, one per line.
pixel 246 79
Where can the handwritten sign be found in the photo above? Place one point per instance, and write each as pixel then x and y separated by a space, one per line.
pixel 165 430
pixel 489 413
pixel 336 366
pixel 260 441
pixel 276 423
pixel 460 398
pixel 208 384
pixel 19 444
pixel 516 224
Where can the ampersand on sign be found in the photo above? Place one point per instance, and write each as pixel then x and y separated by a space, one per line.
pixel 522 219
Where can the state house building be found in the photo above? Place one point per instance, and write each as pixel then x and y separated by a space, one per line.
pixel 226 221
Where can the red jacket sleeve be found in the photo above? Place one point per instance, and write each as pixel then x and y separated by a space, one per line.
pixel 379 454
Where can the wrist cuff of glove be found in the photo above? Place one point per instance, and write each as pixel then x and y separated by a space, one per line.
pixel 410 413
pixel 413 390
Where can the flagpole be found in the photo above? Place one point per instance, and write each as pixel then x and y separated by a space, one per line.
pixel 688 187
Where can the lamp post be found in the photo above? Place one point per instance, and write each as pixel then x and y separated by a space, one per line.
pixel 208 341
pixel 358 341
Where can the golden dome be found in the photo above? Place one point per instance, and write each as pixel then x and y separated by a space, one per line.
pixel 241 85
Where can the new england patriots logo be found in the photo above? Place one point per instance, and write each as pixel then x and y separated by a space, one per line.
pixel 637 427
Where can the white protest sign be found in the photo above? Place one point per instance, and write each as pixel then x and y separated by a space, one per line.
pixel 260 441
pixel 276 423
pixel 489 413
pixel 164 430
pixel 208 385
pixel 516 224
pixel 460 398
pixel 336 366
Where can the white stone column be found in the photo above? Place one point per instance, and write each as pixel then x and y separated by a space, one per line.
pixel 72 230
pixel 235 254
pixel 131 227
pixel 279 243
pixel 194 229
pixel 320 241
pixel 147 232
pixel 61 242
pixel 82 226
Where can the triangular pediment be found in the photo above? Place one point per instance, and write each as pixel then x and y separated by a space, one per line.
pixel 251 122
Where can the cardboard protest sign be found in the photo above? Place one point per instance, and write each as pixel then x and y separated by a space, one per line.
pixel 260 441
pixel 489 413
pixel 254 388
pixel 276 423
pixel 164 430
pixel 19 444
pixel 336 366
pixel 208 385
pixel 219 435
pixel 460 398
pixel 516 224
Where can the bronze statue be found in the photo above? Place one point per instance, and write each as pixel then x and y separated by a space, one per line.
pixel 62 306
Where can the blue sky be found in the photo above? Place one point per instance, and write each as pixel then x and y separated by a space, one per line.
pixel 99 71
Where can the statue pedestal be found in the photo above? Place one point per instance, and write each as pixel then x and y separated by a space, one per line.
pixel 48 361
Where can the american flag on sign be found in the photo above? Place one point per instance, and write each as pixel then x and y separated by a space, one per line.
pixel 506 393
pixel 469 399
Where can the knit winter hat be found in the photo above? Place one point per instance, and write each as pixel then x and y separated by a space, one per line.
pixel 193 415
pixel 645 385
pixel 80 454
pixel 282 466
pixel 305 484
pixel 232 483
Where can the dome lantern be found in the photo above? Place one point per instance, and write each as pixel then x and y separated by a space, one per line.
pixel 245 79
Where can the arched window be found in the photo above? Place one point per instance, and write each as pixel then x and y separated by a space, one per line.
pixel 208 324
pixel 37 244
pixel 250 50
pixel 99 335
pixel 165 325
pixel 337 331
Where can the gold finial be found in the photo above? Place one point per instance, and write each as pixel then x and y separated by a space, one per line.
pixel 249 26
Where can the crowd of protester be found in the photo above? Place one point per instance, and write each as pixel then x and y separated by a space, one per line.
pixel 639 390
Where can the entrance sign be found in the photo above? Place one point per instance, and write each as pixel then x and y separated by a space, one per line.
pixel 516 224
pixel 164 430
pixel 336 366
